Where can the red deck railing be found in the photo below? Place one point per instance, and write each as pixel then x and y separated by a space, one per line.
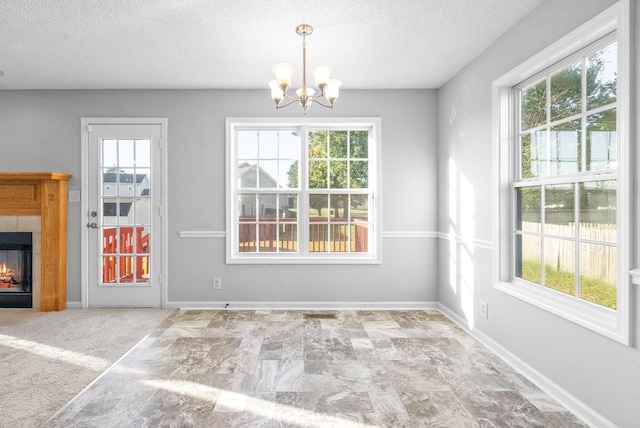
pixel 323 236
pixel 115 246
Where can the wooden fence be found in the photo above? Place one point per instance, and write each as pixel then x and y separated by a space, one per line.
pixel 598 261
pixel 130 240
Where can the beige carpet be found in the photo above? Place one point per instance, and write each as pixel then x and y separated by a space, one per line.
pixel 46 359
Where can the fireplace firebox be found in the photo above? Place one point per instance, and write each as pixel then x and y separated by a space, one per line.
pixel 16 270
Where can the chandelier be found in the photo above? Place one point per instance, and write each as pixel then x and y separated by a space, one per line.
pixel 329 88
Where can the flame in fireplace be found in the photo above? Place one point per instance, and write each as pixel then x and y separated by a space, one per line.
pixel 6 275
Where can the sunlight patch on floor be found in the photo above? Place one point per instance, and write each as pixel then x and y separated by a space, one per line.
pixel 230 401
pixel 59 354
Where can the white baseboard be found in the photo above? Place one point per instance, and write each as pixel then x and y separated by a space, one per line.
pixel 305 305
pixel 562 396
pixel 74 305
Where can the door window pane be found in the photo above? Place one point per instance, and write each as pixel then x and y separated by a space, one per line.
pixel 110 154
pixel 142 182
pixel 143 153
pixel 126 149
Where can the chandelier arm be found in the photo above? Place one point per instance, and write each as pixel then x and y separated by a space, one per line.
pixel 315 100
pixel 293 100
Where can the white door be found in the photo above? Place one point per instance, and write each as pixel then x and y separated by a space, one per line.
pixel 122 195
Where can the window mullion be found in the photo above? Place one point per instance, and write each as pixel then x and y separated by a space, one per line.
pixel 303 202
pixel 543 195
pixel 576 243
pixel 583 103
pixel 548 130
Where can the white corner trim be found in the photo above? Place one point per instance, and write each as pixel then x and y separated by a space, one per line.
pixel 555 391
pixel 635 277
pixel 202 234
pixel 304 305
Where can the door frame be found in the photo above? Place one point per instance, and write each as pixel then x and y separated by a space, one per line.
pixel 85 124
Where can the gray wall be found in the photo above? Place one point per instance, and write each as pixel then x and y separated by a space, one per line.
pixel 41 132
pixel 600 372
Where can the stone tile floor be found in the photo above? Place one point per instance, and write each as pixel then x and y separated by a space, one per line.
pixel 283 369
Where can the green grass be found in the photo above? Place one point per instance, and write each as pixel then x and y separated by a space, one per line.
pixel 593 290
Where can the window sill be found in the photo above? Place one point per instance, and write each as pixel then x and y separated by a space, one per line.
pixel 604 321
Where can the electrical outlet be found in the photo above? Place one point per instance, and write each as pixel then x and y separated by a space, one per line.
pixel 484 309
pixel 217 283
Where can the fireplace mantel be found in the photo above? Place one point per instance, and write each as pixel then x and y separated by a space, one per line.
pixel 43 194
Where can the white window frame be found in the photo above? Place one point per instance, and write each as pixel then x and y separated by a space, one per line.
pixel 373 256
pixel 615 324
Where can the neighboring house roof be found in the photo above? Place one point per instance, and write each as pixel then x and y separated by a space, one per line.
pixel 245 167
pixel 111 177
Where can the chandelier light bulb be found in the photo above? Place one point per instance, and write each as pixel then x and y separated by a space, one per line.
pixel 283 74
pixel 322 75
pixel 332 91
pixel 276 92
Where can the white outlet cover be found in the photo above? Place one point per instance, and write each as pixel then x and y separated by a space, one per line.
pixel 484 309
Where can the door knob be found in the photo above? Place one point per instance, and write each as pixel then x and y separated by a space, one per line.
pixel 93 225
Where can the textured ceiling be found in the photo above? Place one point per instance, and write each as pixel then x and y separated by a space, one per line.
pixel 372 44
